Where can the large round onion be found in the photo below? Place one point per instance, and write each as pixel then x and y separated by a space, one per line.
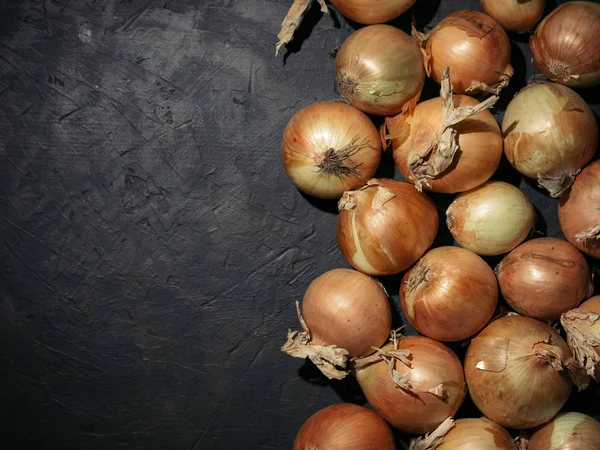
pixel 380 69
pixel 369 12
pixel 544 277
pixel 567 431
pixel 434 386
pixel 384 227
pixel 565 45
pixel 450 294
pixel 514 371
pixel 578 211
pixel 582 326
pixel 550 133
pixel 519 16
pixel 344 427
pixel 329 148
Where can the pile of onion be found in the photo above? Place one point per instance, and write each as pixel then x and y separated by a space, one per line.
pixel 344 427
pixel 582 326
pixel 385 226
pixel 369 12
pixel 517 371
pixel 473 46
pixel 544 277
pixel 567 431
pixel 450 294
pixel 550 133
pixel 379 69
pixel 345 313
pixel 519 16
pixel 579 213
pixel 565 45
pixel 329 148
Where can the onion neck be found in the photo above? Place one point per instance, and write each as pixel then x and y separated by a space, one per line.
pixel 339 162
pixel 419 275
pixel 560 71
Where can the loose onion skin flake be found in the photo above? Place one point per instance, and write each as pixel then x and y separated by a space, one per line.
pixel 519 16
pixel 344 427
pixel 369 12
pixel 567 431
pixel 329 148
pixel 544 278
pixel 582 326
pixel 550 133
pixel 565 45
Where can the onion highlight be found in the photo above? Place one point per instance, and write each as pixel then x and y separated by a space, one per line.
pixel 369 12
pixel 519 16
pixel 567 431
pixel 582 326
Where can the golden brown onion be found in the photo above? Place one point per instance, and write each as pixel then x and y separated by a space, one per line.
pixel 385 226
pixel 515 15
pixel 567 431
pixel 369 12
pixel 582 326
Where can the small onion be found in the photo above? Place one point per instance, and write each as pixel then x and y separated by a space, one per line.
pixel 550 133
pixel 385 226
pixel 474 47
pixel 582 326
pixel 491 219
pixel 369 12
pixel 567 431
pixel 565 45
pixel 519 16
pixel 344 427
pixel 514 371
pixel 329 148
pixel 434 386
pixel 544 277
pixel 379 69
pixel 450 294
pixel 578 211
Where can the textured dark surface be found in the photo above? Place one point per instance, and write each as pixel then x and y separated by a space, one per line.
pixel 151 245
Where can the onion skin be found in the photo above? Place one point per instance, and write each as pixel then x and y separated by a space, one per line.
pixel 491 219
pixel 379 69
pixel 544 277
pixel 479 142
pixel 477 434
pixel 514 387
pixel 419 411
pixel 369 12
pixel 578 211
pixel 450 294
pixel 550 133
pixel 567 431
pixel 344 427
pixel 384 227
pixel 313 132
pixel 518 16
pixel 565 45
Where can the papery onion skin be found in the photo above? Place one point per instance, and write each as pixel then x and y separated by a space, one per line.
pixel 344 427
pixel 419 411
pixel 383 228
pixel 473 46
pixel 450 294
pixel 582 326
pixel 379 69
pixel 477 434
pixel 518 16
pixel 507 381
pixel 565 45
pixel 491 219
pixel 349 309
pixel 567 431
pixel 550 133
pixel 329 148
pixel 579 213
pixel 369 12
pixel 544 277
pixel 479 141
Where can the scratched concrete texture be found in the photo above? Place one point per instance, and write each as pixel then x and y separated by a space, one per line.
pixel 152 247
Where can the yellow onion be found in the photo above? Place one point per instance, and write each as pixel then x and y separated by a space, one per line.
pixel 369 12
pixel 491 219
pixel 565 45
pixel 473 46
pixel 582 326
pixel 450 294
pixel 344 427
pixel 344 314
pixel 379 69
pixel 429 388
pixel 578 211
pixel 385 226
pixel 517 372
pixel 550 133
pixel 544 277
pixel 329 148
pixel 567 431
pixel 515 15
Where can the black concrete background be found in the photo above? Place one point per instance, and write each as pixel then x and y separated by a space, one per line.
pixel 152 247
